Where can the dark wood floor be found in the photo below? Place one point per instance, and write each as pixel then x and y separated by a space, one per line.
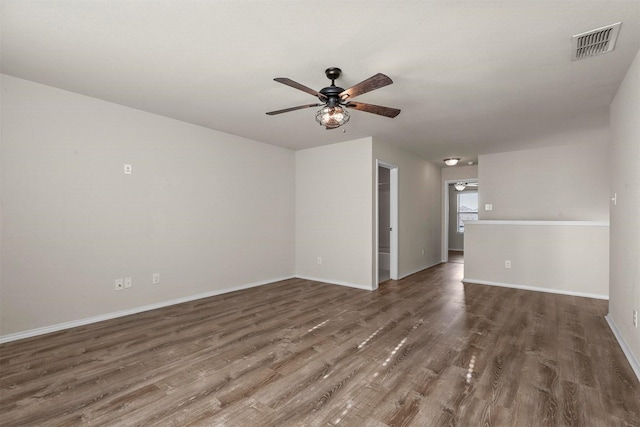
pixel 456 256
pixel 423 351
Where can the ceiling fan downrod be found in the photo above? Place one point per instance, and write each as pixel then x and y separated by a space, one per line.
pixel 332 92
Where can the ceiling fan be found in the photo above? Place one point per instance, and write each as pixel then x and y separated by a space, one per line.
pixel 460 186
pixel 333 113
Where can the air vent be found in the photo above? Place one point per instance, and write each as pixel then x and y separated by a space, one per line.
pixel 594 42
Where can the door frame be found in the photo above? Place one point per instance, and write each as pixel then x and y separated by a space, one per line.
pixel 445 203
pixel 393 221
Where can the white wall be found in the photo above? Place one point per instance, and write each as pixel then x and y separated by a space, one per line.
pixel 459 173
pixel 624 286
pixel 210 212
pixel 207 210
pixel 419 207
pixel 333 213
pixel 559 257
pixel 565 182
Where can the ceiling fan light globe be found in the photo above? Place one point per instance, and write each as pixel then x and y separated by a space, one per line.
pixel 332 117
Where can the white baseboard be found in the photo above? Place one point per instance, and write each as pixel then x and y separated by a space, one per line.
pixel 81 322
pixel 535 288
pixel 635 365
pixel 419 270
pixel 336 282
pixel 366 288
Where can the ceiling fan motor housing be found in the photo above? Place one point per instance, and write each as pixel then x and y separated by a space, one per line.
pixel 333 95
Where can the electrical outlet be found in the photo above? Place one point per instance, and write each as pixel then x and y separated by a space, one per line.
pixel 423 252
pixel 488 207
pixel 635 318
pixel 127 169
pixel 128 282
pixel 156 278
pixel 507 263
pixel 319 260
pixel 119 284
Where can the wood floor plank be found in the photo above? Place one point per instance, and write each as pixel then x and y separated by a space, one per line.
pixel 427 350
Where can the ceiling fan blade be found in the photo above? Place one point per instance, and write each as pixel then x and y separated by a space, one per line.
pixel 375 109
pixel 372 83
pixel 286 110
pixel 296 85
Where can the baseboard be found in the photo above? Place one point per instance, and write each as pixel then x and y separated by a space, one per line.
pixel 456 250
pixel 419 270
pixel 81 322
pixel 635 365
pixel 535 288
pixel 335 282
pixel 366 288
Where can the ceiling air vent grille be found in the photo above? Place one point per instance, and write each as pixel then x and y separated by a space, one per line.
pixel 594 42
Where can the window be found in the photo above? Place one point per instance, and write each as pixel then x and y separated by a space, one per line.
pixel 467 208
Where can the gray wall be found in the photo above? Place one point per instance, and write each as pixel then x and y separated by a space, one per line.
pixel 565 182
pixel 419 206
pixel 624 285
pixel 333 213
pixel 207 210
pixel 540 199
pixel 552 256
pixel 210 212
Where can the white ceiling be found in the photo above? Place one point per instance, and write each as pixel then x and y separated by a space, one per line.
pixel 471 77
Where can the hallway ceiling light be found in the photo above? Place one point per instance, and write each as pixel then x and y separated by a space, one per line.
pixel 459 186
pixel 451 161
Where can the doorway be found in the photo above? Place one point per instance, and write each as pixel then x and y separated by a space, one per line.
pixel 455 213
pixel 386 222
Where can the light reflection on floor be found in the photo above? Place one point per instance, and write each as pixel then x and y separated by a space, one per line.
pixel 349 405
pixel 472 363
pixel 319 325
